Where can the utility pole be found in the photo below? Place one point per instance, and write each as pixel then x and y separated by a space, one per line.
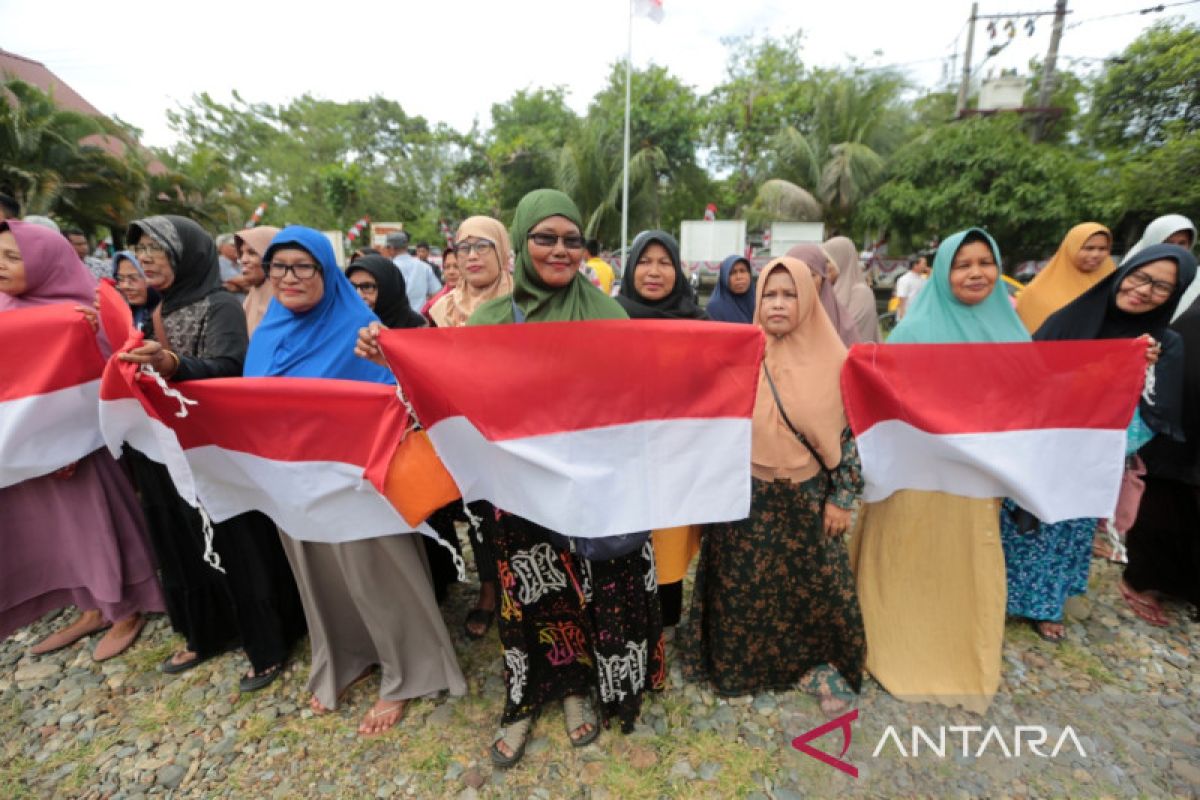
pixel 1047 87
pixel 966 75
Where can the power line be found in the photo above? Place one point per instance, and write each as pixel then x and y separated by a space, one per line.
pixel 1158 9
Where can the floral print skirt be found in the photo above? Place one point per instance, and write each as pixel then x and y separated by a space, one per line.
pixel 774 598
pixel 1046 565
pixel 571 626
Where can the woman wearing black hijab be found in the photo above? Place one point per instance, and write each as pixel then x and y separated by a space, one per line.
pixel 1164 542
pixel 381 286
pixel 1139 300
pixel 655 287
pixel 201 333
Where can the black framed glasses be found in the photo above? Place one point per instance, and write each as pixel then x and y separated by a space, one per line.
pixel 301 271
pixel 542 239
pixel 1158 288
pixel 366 287
pixel 479 247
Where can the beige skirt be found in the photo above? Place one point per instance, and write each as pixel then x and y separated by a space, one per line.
pixel 371 602
pixel 930 573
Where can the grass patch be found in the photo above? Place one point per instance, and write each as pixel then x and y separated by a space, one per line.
pixel 1074 658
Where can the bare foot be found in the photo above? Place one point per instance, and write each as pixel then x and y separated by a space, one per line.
pixel 1052 631
pixel 182 657
pixel 316 706
pixel 87 623
pixel 382 717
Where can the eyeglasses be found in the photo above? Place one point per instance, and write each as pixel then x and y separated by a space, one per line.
pixel 301 271
pixel 1158 288
pixel 149 251
pixel 132 280
pixel 550 240
pixel 479 247
pixel 366 287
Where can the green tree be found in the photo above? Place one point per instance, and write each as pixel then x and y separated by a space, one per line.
pixel 765 87
pixel 1151 92
pixel 666 185
pixel 527 133
pixel 985 172
pixel 1161 182
pixel 54 161
pixel 837 153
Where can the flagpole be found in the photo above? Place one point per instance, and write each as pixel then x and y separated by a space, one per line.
pixel 625 162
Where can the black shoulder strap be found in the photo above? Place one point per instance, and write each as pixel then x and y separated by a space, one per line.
pixel 799 436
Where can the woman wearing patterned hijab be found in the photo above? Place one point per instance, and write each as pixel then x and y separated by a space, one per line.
pixel 254 601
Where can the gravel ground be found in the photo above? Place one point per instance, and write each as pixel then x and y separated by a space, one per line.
pixel 1129 692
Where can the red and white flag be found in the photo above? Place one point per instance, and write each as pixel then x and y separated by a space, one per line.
pixel 1043 423
pixel 649 8
pixel 50 367
pixel 312 454
pixel 589 428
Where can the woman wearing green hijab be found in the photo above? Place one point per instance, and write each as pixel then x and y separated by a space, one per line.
pixel 929 565
pixel 569 625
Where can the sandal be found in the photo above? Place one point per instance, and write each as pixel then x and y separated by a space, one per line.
pixel 831 690
pixel 390 707
pixel 514 737
pixel 478 617
pixel 578 712
pixel 1040 629
pixel 320 710
pixel 1147 609
pixel 260 680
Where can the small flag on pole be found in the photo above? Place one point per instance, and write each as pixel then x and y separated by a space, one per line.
pixel 649 8
pixel 710 212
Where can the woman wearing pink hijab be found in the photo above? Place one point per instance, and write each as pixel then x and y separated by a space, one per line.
pixel 818 262
pixel 76 536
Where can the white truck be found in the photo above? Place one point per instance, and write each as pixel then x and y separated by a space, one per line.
pixel 785 235
pixel 704 244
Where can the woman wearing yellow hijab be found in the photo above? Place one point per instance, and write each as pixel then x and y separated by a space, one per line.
pixel 1081 261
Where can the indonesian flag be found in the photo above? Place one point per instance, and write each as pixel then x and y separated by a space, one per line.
pixel 710 212
pixel 50 367
pixel 649 8
pixel 1043 423
pixel 315 455
pixel 589 428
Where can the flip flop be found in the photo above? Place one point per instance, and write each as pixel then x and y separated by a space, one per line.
pixel 64 638
pixel 319 709
pixel 478 616
pixel 252 683
pixel 1047 637
pixel 170 667
pixel 1147 610
pixel 111 646
pixel 374 714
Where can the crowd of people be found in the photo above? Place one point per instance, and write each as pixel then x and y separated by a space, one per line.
pixel 812 590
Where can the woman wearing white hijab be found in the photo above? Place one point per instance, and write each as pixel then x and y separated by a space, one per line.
pixel 1170 229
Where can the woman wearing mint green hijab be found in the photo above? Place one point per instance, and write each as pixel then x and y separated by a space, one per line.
pixel 929 565
pixel 571 626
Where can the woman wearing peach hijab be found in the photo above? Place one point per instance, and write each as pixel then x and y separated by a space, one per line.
pixel 774 603
pixel 1081 262
pixel 251 244
pixel 851 288
pixel 485 265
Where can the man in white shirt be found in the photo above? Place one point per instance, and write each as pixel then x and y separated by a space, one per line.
pixel 419 280
pixel 909 285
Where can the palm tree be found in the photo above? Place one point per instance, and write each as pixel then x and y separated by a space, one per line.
pixel 53 161
pixel 838 151
pixel 589 170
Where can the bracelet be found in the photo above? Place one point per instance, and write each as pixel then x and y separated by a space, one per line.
pixel 174 356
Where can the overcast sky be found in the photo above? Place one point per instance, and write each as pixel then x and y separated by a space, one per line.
pixel 449 60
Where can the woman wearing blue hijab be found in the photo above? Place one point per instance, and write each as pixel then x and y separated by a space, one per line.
pixel 367 602
pixel 733 299
pixel 131 283
pixel 929 565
